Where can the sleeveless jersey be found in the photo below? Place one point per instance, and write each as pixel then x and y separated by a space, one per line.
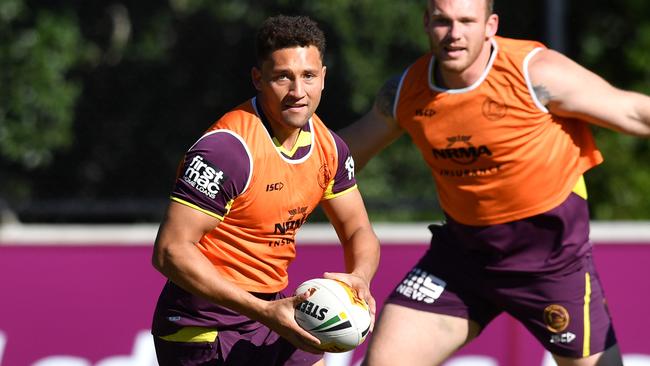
pixel 495 152
pixel 237 174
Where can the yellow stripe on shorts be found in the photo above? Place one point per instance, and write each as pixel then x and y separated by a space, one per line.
pixel 193 335
pixel 586 350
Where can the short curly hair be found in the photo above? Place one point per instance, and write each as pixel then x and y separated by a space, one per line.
pixel 284 31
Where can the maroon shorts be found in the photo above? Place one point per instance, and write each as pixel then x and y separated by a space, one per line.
pixel 221 337
pixel 564 309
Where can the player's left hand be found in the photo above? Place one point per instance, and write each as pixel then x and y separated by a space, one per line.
pixel 361 286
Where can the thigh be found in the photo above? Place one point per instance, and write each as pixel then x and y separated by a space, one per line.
pixel 435 309
pixel 610 357
pixel 406 336
pixel 566 311
pixel 444 282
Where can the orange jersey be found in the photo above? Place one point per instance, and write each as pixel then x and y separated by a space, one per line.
pixel 495 152
pixel 236 173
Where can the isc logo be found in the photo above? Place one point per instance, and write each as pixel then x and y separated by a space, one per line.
pixel 312 310
pixel 274 186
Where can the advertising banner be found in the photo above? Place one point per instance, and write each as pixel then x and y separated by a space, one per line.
pixel 91 305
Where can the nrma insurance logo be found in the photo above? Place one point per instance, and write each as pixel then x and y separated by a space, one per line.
pixel 204 177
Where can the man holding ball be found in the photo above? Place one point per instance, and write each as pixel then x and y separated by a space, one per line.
pixel 242 192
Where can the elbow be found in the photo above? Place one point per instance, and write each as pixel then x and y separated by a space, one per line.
pixel 161 259
pixel 158 262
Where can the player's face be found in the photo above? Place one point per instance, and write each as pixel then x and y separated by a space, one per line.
pixel 458 31
pixel 290 84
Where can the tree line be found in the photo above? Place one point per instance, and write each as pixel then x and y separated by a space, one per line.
pixel 99 100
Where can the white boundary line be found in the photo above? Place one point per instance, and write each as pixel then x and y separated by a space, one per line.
pixel 144 234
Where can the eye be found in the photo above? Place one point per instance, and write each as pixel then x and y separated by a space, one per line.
pixel 440 21
pixel 468 20
pixel 281 78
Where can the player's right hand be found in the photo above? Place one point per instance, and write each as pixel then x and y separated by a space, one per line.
pixel 279 316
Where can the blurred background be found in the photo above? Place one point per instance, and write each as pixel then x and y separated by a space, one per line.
pixel 100 99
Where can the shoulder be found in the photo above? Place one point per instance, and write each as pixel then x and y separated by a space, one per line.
pixel 223 148
pixel 219 139
pixel 517 46
pixel 338 142
pixel 548 64
pixel 233 119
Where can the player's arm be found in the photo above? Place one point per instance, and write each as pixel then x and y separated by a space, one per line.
pixel 376 129
pixel 194 212
pixel 177 257
pixel 569 90
pixel 349 218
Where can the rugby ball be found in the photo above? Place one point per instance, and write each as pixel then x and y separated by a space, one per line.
pixel 334 314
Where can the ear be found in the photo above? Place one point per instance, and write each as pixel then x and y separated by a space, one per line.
pixel 324 72
pixel 491 26
pixel 256 76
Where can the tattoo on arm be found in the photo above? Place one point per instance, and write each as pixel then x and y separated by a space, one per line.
pixel 386 97
pixel 543 95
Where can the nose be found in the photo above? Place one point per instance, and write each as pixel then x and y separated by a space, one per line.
pixel 454 30
pixel 297 89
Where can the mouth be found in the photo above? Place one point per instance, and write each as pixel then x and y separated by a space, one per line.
pixel 454 51
pixel 294 107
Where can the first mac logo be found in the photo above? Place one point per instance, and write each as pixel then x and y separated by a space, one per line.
pixel 204 177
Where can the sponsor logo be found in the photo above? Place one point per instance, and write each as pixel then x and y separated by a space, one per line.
pixel 564 338
pixel 494 110
pixel 425 112
pixel 312 309
pixel 274 187
pixel 463 155
pixel 421 286
pixel 204 177
pixel 289 226
pixel 349 166
pixel 556 318
pixel 470 172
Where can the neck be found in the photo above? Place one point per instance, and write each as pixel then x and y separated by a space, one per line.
pixel 286 135
pixel 453 79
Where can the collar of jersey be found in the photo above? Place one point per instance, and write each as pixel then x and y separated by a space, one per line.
pixel 303 140
pixel 432 73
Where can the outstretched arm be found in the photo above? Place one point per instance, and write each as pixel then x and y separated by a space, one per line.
pixel 569 90
pixel 376 129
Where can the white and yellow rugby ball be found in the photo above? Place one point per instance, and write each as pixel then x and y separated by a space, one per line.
pixel 334 314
